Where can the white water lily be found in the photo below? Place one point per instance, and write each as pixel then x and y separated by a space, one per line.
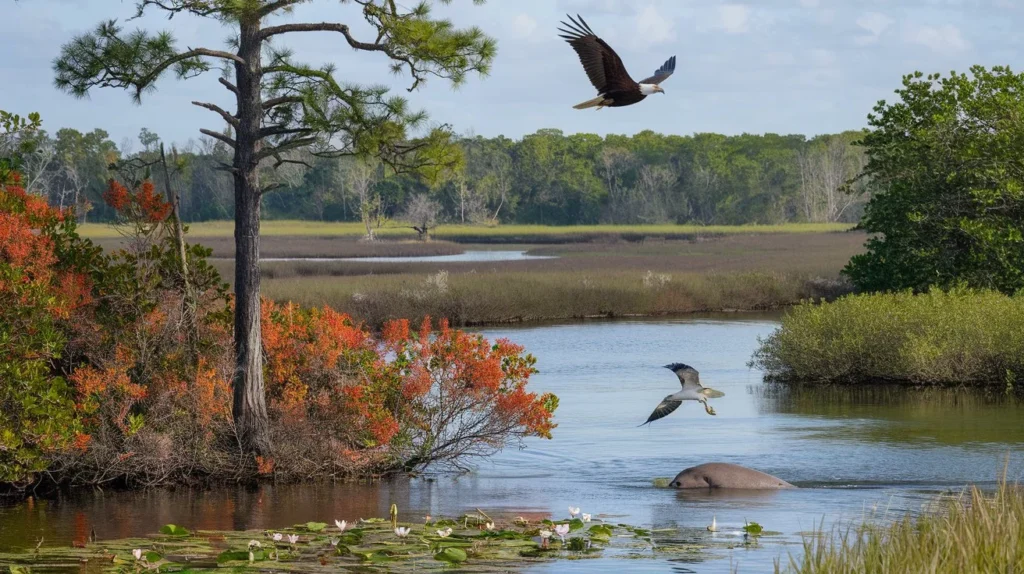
pixel 277 536
pixel 254 544
pixel 489 526
pixel 137 553
pixel 573 511
pixel 713 527
pixel 293 538
pixel 545 534
pixel 403 531
pixel 561 530
pixel 341 524
pixel 444 533
pixel 334 541
pixel 586 517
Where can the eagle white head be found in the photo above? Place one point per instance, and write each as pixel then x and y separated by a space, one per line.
pixel 648 89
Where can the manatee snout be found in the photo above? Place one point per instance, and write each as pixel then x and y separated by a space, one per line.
pixel 726 475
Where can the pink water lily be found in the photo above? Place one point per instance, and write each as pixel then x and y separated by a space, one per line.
pixel 573 511
pixel 277 537
pixel 293 538
pixel 561 530
pixel 137 553
pixel 403 531
pixel 341 524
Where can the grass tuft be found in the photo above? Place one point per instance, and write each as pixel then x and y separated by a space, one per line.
pixel 972 533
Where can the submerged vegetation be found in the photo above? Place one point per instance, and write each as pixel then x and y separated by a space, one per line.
pixel 973 533
pixel 940 337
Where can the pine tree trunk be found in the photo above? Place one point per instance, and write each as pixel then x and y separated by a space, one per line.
pixel 249 409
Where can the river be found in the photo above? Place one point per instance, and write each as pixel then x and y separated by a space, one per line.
pixel 875 453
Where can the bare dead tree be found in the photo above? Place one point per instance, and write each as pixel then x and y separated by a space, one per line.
pixel 422 213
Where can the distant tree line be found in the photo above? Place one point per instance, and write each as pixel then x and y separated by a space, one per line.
pixel 546 178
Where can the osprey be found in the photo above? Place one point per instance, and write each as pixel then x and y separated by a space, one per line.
pixel 605 69
pixel 692 391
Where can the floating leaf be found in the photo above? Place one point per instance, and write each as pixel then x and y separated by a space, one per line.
pixel 752 528
pixel 452 555
pixel 315 526
pixel 174 530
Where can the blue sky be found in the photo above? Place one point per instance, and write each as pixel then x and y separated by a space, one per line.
pixel 783 66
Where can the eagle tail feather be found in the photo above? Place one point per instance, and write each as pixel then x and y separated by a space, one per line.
pixel 590 103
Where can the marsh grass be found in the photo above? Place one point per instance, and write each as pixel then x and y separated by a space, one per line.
pixel 510 296
pixel 311 246
pixel 956 337
pixel 483 234
pixel 971 533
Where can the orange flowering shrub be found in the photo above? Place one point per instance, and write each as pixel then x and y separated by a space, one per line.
pixel 129 372
pixel 402 399
pixel 144 206
pixel 41 288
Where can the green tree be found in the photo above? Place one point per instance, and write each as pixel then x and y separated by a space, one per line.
pixel 283 106
pixel 946 163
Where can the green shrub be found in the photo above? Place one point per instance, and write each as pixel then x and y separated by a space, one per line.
pixel 959 336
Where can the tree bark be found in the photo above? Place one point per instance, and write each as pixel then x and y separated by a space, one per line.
pixel 249 408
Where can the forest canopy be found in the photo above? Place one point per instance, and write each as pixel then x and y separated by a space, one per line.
pixel 547 177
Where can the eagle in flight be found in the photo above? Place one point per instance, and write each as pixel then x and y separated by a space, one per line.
pixel 605 69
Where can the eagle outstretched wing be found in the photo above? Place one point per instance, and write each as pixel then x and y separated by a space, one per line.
pixel 602 64
pixel 662 73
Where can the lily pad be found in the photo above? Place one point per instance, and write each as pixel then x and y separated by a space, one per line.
pixel 315 526
pixel 452 555
pixel 174 530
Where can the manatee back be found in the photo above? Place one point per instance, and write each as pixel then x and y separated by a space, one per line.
pixel 726 475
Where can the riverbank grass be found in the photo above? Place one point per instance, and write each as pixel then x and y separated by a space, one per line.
pixel 959 337
pixel 973 533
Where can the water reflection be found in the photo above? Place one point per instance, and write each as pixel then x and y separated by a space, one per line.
pixel 853 452
pixel 892 414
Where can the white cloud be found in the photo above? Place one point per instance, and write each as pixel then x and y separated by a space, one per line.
pixel 734 18
pixel 945 39
pixel 810 3
pixel 523 25
pixel 874 22
pixel 652 27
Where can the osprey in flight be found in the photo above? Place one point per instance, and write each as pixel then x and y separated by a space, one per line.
pixel 692 391
pixel 605 69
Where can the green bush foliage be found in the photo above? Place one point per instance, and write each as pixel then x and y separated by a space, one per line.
pixel 943 337
pixel 947 166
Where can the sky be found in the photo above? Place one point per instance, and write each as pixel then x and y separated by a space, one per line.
pixel 770 66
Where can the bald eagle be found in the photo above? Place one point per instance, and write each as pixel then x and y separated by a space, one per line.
pixel 605 69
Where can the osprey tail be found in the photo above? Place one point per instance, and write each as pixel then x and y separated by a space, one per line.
pixel 711 393
pixel 590 103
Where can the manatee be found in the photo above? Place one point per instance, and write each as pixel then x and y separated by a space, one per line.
pixel 726 475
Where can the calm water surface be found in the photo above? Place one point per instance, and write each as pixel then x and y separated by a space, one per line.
pixel 853 454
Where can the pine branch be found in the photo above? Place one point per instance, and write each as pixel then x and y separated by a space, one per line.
pixel 230 119
pixel 218 136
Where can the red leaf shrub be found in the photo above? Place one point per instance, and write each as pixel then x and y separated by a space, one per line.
pixel 139 368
